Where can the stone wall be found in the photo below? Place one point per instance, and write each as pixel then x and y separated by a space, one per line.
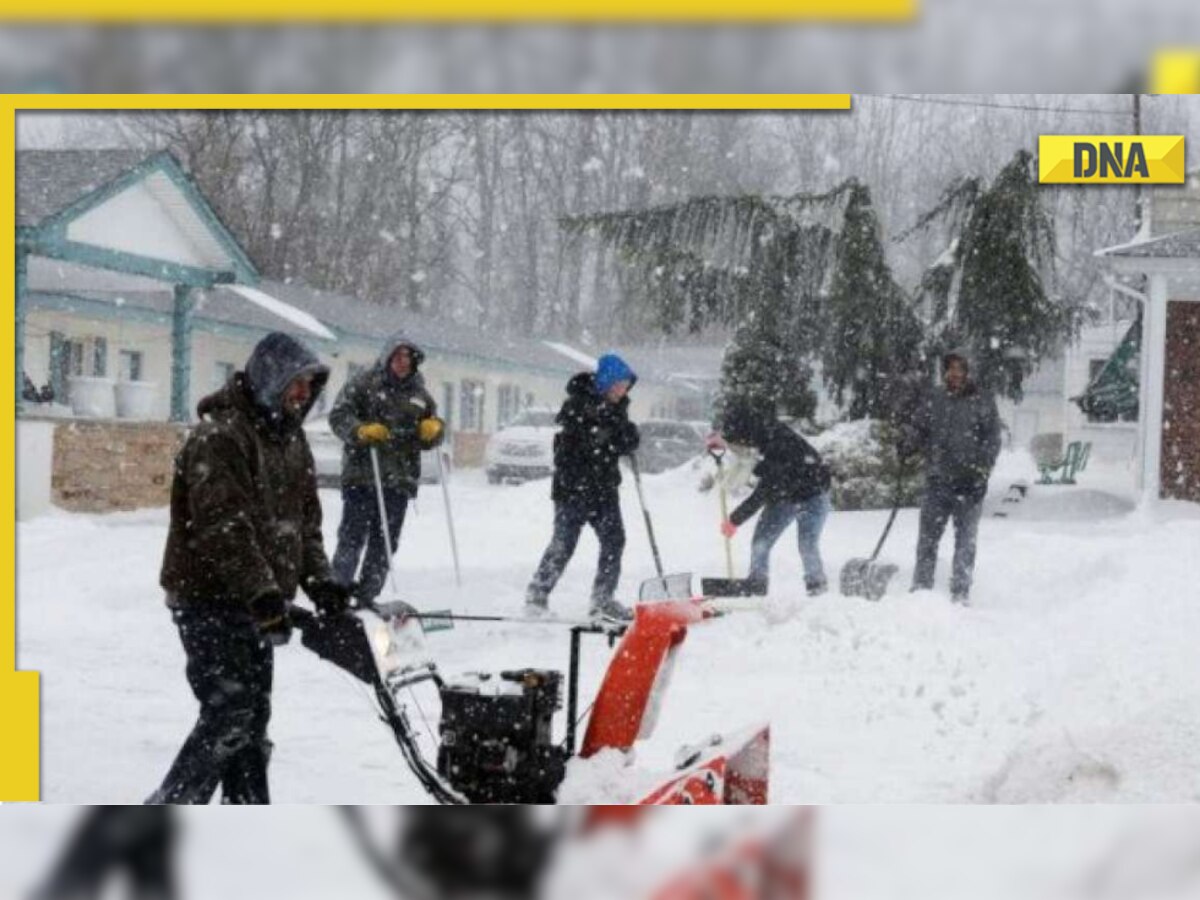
pixel 1180 472
pixel 102 466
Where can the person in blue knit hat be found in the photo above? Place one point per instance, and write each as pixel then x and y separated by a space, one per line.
pixel 596 433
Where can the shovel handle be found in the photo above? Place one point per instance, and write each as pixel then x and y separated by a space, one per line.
pixel 718 454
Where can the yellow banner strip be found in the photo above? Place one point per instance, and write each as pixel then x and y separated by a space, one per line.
pixel 461 11
pixel 435 101
pixel 1175 72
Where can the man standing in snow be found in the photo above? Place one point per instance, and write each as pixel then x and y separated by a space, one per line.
pixel 793 486
pixel 386 410
pixel 958 430
pixel 245 534
pixel 596 432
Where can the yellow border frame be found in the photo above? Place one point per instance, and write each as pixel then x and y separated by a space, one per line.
pixel 19 691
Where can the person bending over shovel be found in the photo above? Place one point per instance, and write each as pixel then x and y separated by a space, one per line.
pixel 596 433
pixel 958 430
pixel 793 486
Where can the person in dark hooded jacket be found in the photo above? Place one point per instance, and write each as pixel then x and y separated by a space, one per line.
pixel 595 434
pixel 386 410
pixel 245 534
pixel 958 430
pixel 793 486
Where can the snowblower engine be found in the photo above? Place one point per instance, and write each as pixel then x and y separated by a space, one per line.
pixel 496 737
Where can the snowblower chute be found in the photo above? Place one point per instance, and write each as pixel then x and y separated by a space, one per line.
pixel 496 743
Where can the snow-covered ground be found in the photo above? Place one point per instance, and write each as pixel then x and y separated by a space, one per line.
pixel 1073 677
pixel 1066 852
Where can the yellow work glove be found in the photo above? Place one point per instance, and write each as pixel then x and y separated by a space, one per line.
pixel 373 433
pixel 430 431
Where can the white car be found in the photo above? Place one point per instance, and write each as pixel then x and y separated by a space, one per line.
pixel 327 455
pixel 523 449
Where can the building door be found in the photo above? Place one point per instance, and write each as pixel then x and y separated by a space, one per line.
pixel 1180 469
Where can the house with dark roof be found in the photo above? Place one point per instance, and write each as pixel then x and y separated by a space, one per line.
pixel 134 300
pixel 1164 260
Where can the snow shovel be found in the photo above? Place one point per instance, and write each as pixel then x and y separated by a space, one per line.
pixel 729 586
pixel 665 586
pixel 865 577
pixel 724 495
pixel 437 624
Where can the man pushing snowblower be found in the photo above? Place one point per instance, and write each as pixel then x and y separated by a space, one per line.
pixel 793 486
pixel 958 431
pixel 245 535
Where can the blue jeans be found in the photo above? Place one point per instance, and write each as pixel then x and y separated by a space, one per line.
pixel 809 516
pixel 359 529
pixel 569 518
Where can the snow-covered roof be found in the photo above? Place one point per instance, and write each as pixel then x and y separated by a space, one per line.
pixel 1180 245
pixel 285 311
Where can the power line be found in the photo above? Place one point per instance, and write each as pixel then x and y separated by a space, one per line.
pixel 984 104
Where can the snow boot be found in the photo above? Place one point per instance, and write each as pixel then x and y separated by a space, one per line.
pixel 610 611
pixel 961 598
pixel 536 607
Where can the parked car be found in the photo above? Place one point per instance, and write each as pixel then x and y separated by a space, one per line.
pixel 667 444
pixel 327 454
pixel 522 449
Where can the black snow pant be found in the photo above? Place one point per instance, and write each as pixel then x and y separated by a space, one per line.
pixel 230 667
pixel 360 528
pixel 604 516
pixel 941 503
pixel 135 840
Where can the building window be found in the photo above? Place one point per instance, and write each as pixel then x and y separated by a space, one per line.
pixel 70 357
pixel 222 372
pixel 470 407
pixel 130 365
pixel 448 404
pixel 508 402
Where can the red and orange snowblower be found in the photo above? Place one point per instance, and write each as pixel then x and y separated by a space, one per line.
pixel 496 737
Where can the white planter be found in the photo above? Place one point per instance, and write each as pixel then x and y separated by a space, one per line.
pixel 136 399
pixel 92 397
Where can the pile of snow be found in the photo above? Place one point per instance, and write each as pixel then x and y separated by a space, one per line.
pixel 1073 676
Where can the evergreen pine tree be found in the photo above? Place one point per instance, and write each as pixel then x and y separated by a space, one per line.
pixel 872 337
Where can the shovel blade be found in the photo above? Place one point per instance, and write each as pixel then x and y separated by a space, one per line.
pixel 864 578
pixel 733 587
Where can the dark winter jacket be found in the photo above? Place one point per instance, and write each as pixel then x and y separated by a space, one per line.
pixel 594 435
pixel 245 518
pixel 377 395
pixel 790 470
pixel 959 435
